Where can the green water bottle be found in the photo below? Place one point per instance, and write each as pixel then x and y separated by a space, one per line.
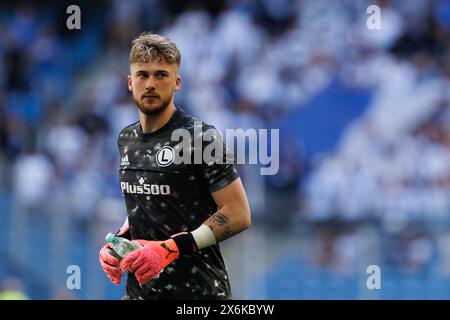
pixel 120 246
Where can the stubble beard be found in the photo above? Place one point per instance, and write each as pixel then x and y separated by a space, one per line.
pixel 153 111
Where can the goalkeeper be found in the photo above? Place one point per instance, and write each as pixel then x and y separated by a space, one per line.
pixel 178 212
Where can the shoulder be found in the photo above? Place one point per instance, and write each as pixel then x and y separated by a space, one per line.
pixel 193 129
pixel 191 123
pixel 129 132
pixel 130 127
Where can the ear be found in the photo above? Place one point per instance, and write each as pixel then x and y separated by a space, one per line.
pixel 177 83
pixel 130 87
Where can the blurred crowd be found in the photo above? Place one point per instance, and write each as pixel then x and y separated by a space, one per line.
pixel 245 64
pixel 392 165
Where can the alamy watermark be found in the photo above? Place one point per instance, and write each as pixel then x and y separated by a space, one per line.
pixel 74 20
pixel 74 279
pixel 374 280
pixel 208 147
pixel 373 22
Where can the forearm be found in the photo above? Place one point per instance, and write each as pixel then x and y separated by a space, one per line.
pixel 124 231
pixel 228 221
pixel 125 224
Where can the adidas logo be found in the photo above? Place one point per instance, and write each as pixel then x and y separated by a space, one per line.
pixel 125 161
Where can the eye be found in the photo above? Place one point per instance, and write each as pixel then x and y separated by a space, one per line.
pixel 160 76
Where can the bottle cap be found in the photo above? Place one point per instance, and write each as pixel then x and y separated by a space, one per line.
pixel 110 237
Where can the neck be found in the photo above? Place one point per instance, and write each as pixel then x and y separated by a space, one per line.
pixel 151 123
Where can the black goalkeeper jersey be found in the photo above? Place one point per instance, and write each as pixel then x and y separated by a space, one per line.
pixel 164 197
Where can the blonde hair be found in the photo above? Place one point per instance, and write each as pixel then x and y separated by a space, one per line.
pixel 149 47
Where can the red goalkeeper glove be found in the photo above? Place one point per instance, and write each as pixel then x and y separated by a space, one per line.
pixel 148 261
pixel 109 263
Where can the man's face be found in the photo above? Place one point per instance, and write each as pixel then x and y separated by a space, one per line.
pixel 153 85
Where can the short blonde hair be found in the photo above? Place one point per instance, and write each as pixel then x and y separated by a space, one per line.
pixel 149 47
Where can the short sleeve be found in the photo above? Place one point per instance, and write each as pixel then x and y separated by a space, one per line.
pixel 217 169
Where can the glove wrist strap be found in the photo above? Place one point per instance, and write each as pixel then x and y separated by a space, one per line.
pixel 185 242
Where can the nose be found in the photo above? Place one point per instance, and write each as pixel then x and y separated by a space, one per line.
pixel 150 84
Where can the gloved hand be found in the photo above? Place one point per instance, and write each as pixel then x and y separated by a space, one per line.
pixel 109 262
pixel 148 261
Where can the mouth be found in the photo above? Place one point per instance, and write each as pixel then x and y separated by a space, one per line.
pixel 150 96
